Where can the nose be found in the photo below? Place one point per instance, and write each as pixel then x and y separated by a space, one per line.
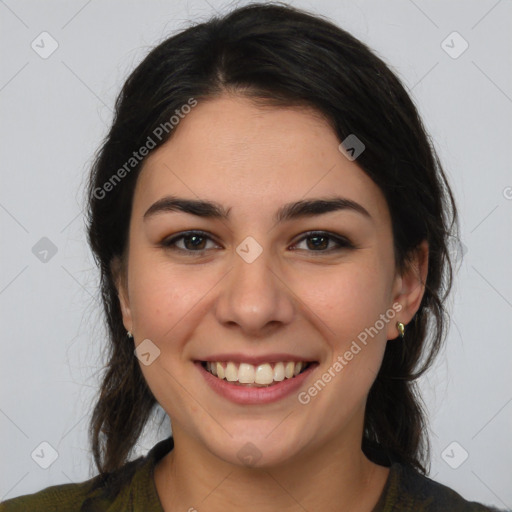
pixel 254 298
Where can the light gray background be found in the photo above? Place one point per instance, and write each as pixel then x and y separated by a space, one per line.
pixel 54 113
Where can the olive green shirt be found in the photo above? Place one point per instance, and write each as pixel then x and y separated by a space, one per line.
pixel 132 488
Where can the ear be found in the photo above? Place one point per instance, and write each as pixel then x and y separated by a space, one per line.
pixel 409 288
pixel 120 279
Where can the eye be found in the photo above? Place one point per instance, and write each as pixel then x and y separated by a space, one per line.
pixel 322 241
pixel 190 241
pixel 199 241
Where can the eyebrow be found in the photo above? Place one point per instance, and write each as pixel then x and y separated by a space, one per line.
pixel 287 212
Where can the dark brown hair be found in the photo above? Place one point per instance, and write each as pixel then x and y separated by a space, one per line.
pixel 279 55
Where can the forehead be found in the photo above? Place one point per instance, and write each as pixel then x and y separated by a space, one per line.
pixel 241 155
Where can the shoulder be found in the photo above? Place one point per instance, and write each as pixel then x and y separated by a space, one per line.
pixel 409 490
pixel 117 491
pixel 69 497
pixel 109 492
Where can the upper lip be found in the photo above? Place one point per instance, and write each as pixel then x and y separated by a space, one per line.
pixel 256 360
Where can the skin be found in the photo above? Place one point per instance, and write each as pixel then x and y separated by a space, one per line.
pixel 293 298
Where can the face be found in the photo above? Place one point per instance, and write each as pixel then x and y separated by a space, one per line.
pixel 255 245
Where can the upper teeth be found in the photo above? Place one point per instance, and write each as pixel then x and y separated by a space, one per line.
pixel 246 373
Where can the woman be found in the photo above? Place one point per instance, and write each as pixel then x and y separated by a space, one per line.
pixel 271 225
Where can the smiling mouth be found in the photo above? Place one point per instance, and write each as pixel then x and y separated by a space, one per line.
pixel 262 375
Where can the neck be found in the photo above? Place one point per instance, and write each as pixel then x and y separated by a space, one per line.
pixel 336 476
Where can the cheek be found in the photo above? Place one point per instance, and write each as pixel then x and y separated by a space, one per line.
pixel 167 301
pixel 347 299
pixel 350 303
pixel 162 294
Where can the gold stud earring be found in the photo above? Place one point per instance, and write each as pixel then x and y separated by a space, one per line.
pixel 401 329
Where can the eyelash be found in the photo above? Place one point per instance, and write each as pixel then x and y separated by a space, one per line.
pixel 342 242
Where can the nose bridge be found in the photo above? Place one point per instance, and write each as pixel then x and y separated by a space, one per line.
pixel 253 296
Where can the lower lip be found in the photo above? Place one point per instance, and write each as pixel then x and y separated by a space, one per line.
pixel 251 396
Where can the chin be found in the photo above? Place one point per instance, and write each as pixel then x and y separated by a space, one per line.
pixel 257 449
